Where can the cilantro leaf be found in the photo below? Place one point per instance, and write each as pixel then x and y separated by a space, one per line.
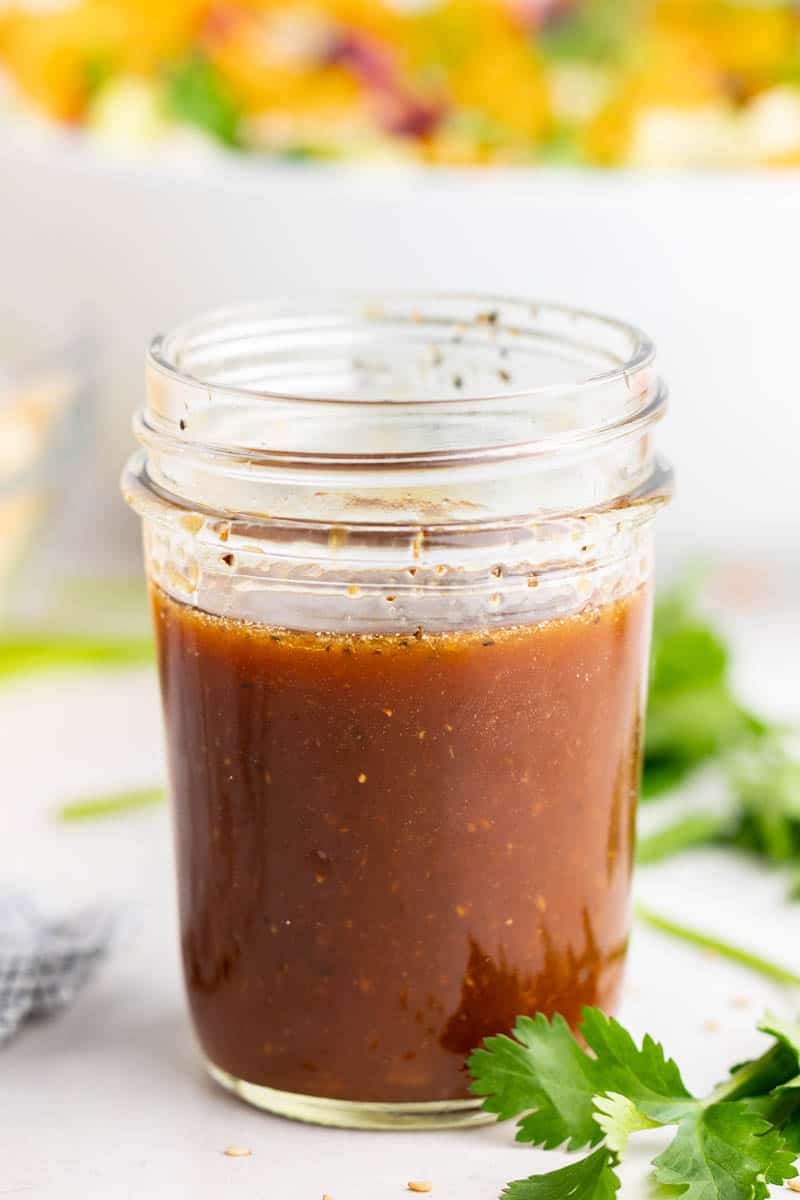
pixel 661 775
pixel 618 1117
pixel 691 655
pixel 733 1145
pixel 724 1152
pixel 762 813
pixel 781 1109
pixel 765 781
pixel 541 1071
pixel 692 713
pixel 545 1074
pixel 785 1030
pixel 592 1178
pixel 788 1117
pixel 693 717
pixel 688 726
pixel 197 94
pixel 645 1076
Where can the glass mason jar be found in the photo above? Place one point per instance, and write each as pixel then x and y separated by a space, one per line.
pixel 400 559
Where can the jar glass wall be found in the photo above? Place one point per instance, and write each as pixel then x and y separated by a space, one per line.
pixel 400 558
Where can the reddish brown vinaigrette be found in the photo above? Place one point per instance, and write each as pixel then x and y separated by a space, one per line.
pixel 389 846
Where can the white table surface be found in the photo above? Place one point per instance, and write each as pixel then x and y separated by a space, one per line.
pixel 109 1102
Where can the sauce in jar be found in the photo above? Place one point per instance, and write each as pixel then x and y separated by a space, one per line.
pixel 390 846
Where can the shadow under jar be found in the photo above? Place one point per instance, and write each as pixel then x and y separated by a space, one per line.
pixel 400 560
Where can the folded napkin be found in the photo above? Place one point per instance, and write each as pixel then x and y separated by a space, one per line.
pixel 44 962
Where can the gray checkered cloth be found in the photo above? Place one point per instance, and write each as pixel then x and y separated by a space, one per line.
pixel 45 962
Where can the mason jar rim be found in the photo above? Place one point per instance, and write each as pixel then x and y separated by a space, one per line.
pixel 165 350
pixel 219 437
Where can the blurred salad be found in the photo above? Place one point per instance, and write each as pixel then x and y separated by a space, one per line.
pixel 604 82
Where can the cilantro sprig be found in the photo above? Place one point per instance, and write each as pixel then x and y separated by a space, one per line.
pixel 695 720
pixel 596 1094
pixel 693 715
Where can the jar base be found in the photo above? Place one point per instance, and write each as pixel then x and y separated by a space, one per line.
pixel 353 1114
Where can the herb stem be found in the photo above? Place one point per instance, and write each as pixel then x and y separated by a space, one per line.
pixel 754 962
pixel 110 804
pixel 696 829
pixel 22 653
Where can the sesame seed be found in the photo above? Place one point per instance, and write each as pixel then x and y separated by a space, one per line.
pixel 362 778
pixel 237 1152
pixel 420 1185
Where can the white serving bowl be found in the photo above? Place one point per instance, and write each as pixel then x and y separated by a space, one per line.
pixel 708 264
